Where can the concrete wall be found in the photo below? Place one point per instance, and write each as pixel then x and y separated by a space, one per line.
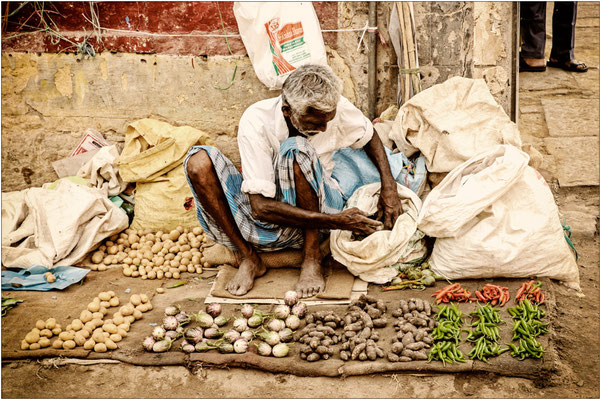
pixel 49 99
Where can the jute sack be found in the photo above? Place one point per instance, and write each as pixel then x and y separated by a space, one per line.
pixel 494 216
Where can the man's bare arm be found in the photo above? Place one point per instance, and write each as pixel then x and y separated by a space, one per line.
pixel 276 212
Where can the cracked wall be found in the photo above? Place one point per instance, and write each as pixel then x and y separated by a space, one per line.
pixel 49 99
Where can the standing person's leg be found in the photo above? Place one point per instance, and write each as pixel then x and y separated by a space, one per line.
pixel 564 33
pixel 533 31
pixel 209 193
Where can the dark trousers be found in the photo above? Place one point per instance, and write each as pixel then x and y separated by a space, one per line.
pixel 533 30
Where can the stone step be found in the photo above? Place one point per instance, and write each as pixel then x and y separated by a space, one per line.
pixel 573 161
pixel 571 117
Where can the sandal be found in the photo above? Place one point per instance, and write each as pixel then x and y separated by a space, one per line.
pixel 570 65
pixel 525 67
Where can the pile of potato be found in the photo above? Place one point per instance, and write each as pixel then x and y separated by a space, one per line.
pixel 413 325
pixel 319 335
pixel 90 330
pixel 156 255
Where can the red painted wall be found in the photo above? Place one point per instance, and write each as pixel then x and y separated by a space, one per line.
pixel 133 19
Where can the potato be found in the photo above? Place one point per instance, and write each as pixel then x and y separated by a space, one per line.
pixel 169 257
pixel 98 336
pixel 68 327
pixel 112 250
pixel 97 322
pixel 49 277
pixel 114 302
pixel 120 248
pixel 100 348
pixel 46 333
pixel 44 342
pixel 159 274
pixel 137 314
pixel 102 248
pixel 79 339
pixel 197 230
pixel 106 334
pixel 104 296
pixel 85 316
pixel 127 271
pixel 156 248
pixel 168 275
pixel 180 229
pixel 85 333
pixel 110 328
pixel 152 275
pixel 56 331
pixel 102 267
pixel 149 305
pixel 191 268
pixel 34 346
pixel 124 326
pixel 57 344
pixel 199 270
pixel 174 235
pixel 127 260
pixel 118 319
pixel 108 321
pixel 89 344
pixel 133 238
pixel 66 335
pixel 195 244
pixel 130 319
pixel 40 324
pixel 69 344
pixel 185 247
pixel 175 249
pixel 24 345
pixel 115 337
pixel 111 293
pixel 176 275
pixel 160 290
pixel 93 307
pixel 76 325
pixel 135 274
pixel 126 310
pixel 97 257
pixel 105 304
pixel 103 310
pixel 32 337
pixel 97 316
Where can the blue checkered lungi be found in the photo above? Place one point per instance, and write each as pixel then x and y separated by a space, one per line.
pixel 265 236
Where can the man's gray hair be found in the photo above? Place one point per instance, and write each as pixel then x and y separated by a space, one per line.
pixel 312 85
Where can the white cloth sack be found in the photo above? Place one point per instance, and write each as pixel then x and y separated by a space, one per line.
pixel 52 227
pixel 279 37
pixel 102 172
pixel 368 258
pixel 452 122
pixel 494 216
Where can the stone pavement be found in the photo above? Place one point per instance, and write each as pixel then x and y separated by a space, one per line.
pixel 559 116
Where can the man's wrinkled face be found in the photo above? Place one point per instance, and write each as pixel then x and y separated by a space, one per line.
pixel 312 122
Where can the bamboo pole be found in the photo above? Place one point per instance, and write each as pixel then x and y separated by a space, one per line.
pixel 410 48
pixel 414 29
pixel 406 82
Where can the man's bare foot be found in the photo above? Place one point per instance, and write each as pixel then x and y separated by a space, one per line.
pixel 311 279
pixel 250 268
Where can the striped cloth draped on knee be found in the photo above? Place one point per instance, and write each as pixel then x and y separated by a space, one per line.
pixel 262 235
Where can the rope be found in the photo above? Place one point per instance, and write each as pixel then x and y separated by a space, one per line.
pixel 567 234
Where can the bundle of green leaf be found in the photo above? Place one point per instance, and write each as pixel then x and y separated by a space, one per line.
pixel 413 277
pixel 485 334
pixel 527 326
pixel 8 303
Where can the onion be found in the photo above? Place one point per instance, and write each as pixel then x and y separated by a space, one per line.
pixel 148 343
pixel 240 346
pixel 172 310
pixel 263 349
pixel 286 335
pixel 282 311
pixel 299 309
pixel 170 323
pixel 226 348
pixel 247 310
pixel 214 309
pixel 220 320
pixel 290 298
pixel 182 318
pixel 270 337
pixel 193 334
pixel 180 330
pixel 248 335
pixel 240 324
pixel 276 325
pixel 231 336
pixel 212 333
pixel 162 346
pixel 171 335
pixel 158 333
pixel 293 322
pixel 204 320
pixel 281 350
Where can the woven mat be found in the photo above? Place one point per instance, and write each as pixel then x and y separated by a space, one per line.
pixel 276 282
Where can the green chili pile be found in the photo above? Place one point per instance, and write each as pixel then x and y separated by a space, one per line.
pixel 527 326
pixel 485 334
pixel 447 335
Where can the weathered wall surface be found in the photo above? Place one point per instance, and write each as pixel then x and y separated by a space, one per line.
pixel 49 99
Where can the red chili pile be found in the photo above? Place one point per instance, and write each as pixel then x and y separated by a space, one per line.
pixel 530 290
pixel 493 294
pixel 452 292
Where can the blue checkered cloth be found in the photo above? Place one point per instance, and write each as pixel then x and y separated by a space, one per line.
pixel 265 236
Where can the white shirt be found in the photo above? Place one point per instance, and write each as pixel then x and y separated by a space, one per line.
pixel 263 128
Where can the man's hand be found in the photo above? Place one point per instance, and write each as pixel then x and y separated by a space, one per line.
pixel 391 204
pixel 356 221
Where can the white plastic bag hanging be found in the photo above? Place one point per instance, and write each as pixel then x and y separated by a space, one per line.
pixel 280 37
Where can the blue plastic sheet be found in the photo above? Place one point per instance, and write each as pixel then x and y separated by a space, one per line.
pixel 33 278
pixel 354 169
